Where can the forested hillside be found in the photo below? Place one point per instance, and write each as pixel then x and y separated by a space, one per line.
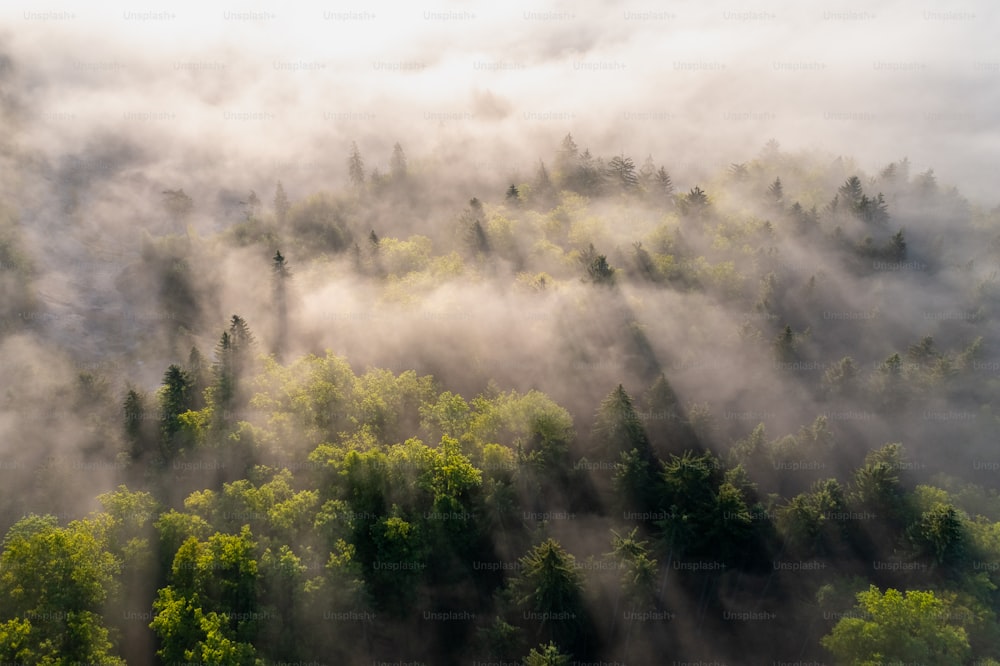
pixel 597 412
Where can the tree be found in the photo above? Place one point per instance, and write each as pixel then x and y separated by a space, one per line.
pixel 587 177
pixel 199 370
pixel 175 399
pixel 840 379
pixel 690 483
pixel 621 169
pixel 513 197
pixel 776 191
pixel 281 204
pixel 397 163
pixel 567 157
pixel 542 190
pixel 252 206
pixel 695 203
pixel 280 276
pixel 617 427
pixel 647 173
pixel 53 583
pixel 139 435
pixel 664 185
pixel 209 609
pixel 878 488
pixel 784 345
pixel 851 192
pixel 476 238
pixel 897 247
pixel 548 656
pixel 903 627
pixel 550 588
pixel 805 521
pixel 356 167
pixel 639 570
pixel 596 266
pixel 940 535
pixel 232 357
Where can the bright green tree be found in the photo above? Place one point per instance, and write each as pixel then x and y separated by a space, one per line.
pixel 905 627
pixel 53 583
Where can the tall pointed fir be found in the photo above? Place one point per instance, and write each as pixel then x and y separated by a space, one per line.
pixel 279 283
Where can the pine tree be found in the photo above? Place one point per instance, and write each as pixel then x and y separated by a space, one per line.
pixel 356 167
pixel 664 184
pixel 513 197
pixel 695 203
pixel 542 190
pixel 621 170
pixel 280 275
pixel 596 266
pixel 647 173
pixel 252 206
pixel 397 163
pixel 851 192
pixel 198 370
pixel 232 356
pixel 784 346
pixel 776 191
pixel 618 428
pixel 175 399
pixel 739 172
pixel 281 204
pixel 567 157
pixel 136 430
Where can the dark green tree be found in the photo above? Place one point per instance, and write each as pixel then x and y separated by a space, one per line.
pixel 695 203
pixel 618 428
pixel 175 398
pixel 550 589
pixel 784 345
pixel 939 535
pixel 596 266
pixel 513 197
pixel 621 171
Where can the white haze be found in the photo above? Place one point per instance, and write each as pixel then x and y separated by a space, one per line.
pixel 691 83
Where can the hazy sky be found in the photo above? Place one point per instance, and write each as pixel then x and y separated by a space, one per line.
pixel 279 90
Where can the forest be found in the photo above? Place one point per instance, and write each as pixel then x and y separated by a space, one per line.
pixel 567 415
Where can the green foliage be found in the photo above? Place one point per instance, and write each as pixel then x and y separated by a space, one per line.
pixel 809 521
pixel 550 589
pixel 877 484
pixel 175 398
pixel 897 627
pixel 548 656
pixel 209 610
pixel 596 267
pixel 53 582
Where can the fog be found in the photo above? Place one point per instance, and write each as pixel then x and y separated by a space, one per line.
pixel 106 108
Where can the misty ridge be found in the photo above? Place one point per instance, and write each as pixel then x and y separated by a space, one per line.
pixel 388 394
